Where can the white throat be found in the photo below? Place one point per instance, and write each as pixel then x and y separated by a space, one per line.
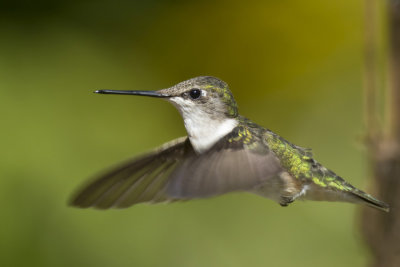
pixel 204 133
pixel 202 130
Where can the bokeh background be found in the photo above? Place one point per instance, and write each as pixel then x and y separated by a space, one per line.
pixel 294 67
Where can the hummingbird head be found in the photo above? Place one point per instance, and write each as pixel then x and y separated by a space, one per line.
pixel 206 104
pixel 204 94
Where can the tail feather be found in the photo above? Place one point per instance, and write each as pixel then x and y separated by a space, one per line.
pixel 370 200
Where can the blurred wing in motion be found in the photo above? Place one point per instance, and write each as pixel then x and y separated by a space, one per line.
pixel 226 167
pixel 177 172
pixel 140 180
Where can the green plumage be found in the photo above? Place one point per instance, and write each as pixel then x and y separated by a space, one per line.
pixel 301 165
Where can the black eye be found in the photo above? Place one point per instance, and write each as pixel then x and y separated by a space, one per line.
pixel 195 93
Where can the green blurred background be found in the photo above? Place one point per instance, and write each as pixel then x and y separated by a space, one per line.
pixel 294 67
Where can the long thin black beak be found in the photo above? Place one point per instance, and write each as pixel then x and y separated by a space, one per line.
pixel 141 93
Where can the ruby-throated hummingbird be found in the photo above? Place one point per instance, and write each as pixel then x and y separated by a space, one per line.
pixel 223 152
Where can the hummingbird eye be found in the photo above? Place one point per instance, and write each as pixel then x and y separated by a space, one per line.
pixel 195 93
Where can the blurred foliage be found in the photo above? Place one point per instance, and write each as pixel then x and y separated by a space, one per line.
pixel 294 66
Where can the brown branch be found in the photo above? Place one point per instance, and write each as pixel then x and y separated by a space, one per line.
pixel 394 33
pixel 382 231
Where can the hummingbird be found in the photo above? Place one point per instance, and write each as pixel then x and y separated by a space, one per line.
pixel 223 152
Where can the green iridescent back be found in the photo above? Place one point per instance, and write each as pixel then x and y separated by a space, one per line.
pixel 299 163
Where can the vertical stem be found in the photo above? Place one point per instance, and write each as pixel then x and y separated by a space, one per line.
pixel 394 35
pixel 382 231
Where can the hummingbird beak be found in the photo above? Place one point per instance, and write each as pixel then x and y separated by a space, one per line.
pixel 141 93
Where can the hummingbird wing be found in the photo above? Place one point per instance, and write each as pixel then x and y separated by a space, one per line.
pixel 140 180
pixel 177 172
pixel 235 163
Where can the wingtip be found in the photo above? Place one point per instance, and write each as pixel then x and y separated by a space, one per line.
pixel 385 207
pixel 381 206
pixel 371 201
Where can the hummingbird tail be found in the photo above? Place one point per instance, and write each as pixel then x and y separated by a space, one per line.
pixel 370 200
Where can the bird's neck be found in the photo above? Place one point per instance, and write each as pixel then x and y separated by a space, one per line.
pixel 205 132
